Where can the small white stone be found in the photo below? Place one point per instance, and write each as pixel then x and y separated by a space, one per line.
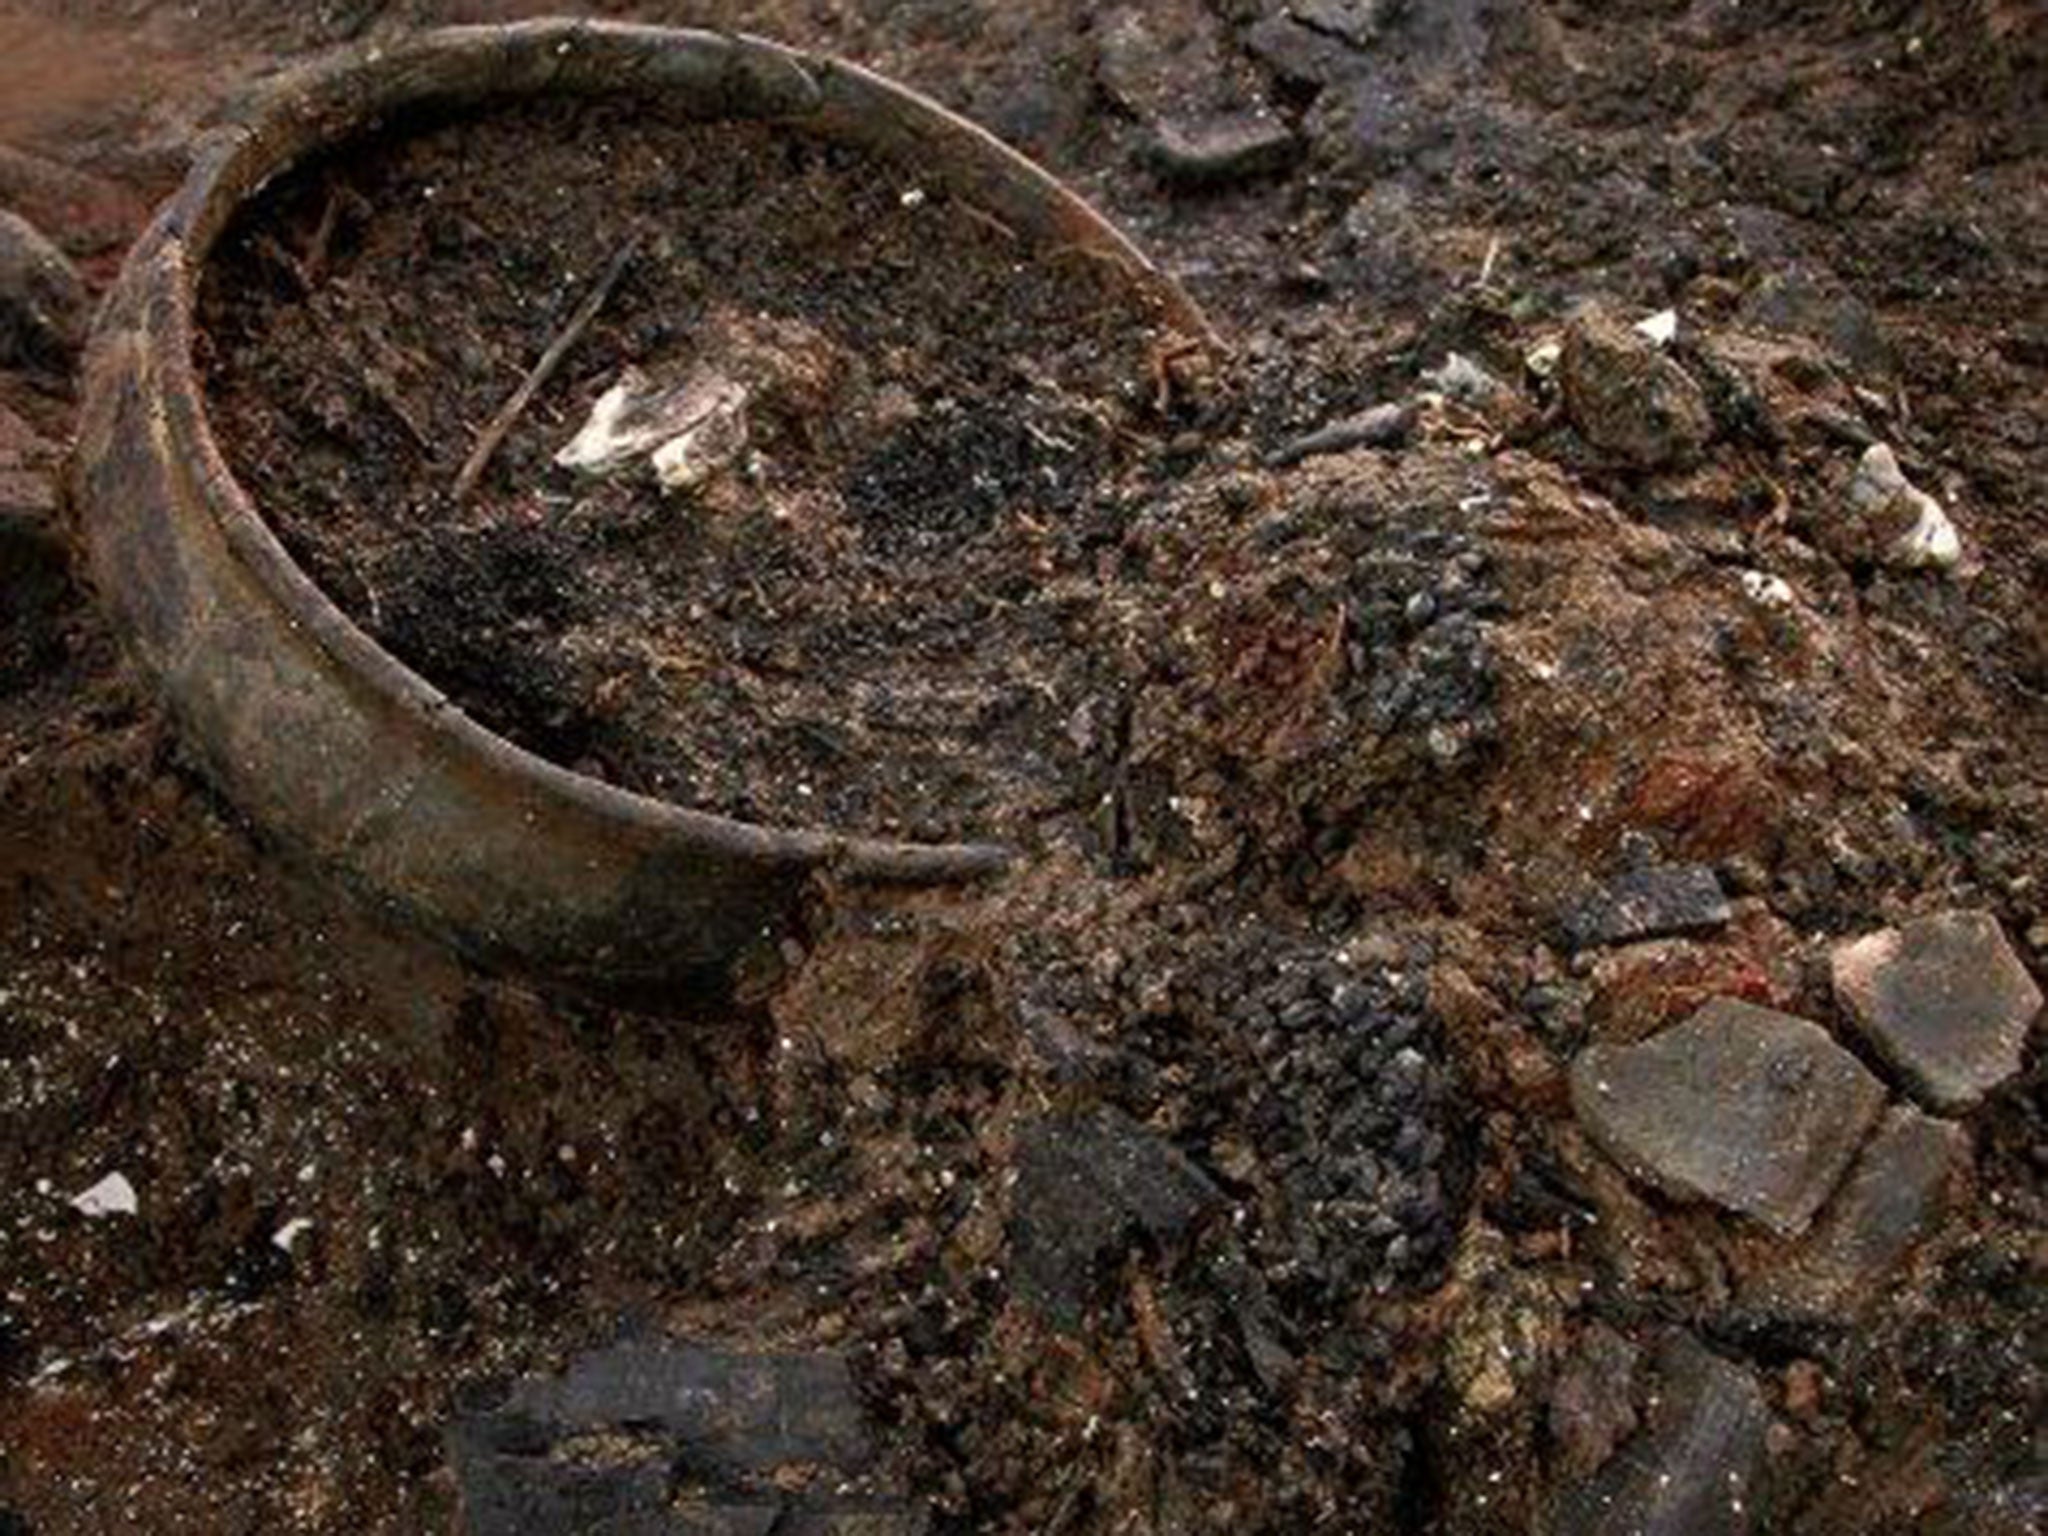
pixel 1459 378
pixel 1878 480
pixel 1879 486
pixel 1932 540
pixel 601 444
pixel 1765 589
pixel 687 432
pixel 112 1196
pixel 1542 360
pixel 1662 327
pixel 291 1232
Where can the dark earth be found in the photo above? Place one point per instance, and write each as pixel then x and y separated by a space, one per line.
pixel 1249 1160
pixel 881 617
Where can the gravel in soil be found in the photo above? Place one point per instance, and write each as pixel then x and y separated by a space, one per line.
pixel 1400 711
pixel 882 599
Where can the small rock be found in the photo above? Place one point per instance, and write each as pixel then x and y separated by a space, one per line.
pixel 1660 328
pixel 1693 1471
pixel 1752 1109
pixel 1144 62
pixel 1169 61
pixel 1506 1328
pixel 1458 378
pixel 687 433
pixel 1222 151
pixel 42 301
pixel 1383 426
pixel 1713 805
pixel 1766 590
pixel 1803 1383
pixel 758 1441
pixel 1627 398
pixel 1301 54
pixel 1944 1000
pixel 1795 301
pixel 1592 1406
pixel 1892 1195
pixel 1542 360
pixel 1647 904
pixel 1357 22
pixel 1086 1187
pixel 1904 526
pixel 112 1196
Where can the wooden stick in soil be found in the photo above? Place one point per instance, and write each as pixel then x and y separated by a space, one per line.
pixel 492 435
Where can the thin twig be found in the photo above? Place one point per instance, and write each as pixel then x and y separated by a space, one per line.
pixel 988 221
pixel 492 435
pixel 267 247
pixel 314 264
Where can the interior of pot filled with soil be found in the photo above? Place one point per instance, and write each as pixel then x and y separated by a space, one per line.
pixel 816 523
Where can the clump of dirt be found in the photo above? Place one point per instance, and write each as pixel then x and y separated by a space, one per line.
pixel 885 569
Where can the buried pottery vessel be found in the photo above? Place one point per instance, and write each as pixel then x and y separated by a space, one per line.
pixel 328 742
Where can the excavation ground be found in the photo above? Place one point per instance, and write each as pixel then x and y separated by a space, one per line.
pixel 1222 1169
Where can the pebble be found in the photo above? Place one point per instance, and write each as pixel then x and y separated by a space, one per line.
pixel 1752 1109
pixel 42 301
pixel 1627 398
pixel 1592 1405
pixel 657 1435
pixel 1542 360
pixel 1154 60
pixel 1693 1470
pixel 1944 1001
pixel 688 433
pixel 1383 426
pixel 1661 328
pixel 1502 1335
pixel 1457 377
pixel 1647 904
pixel 112 1196
pixel 1358 22
pixel 1301 54
pixel 1908 527
pixel 1087 1186
pixel 1803 1385
pixel 1797 302
pixel 1766 590
pixel 1222 151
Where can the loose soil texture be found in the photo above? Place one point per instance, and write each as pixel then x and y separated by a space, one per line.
pixel 898 578
pixel 1220 1170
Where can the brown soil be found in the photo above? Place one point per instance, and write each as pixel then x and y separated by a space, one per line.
pixel 1395 710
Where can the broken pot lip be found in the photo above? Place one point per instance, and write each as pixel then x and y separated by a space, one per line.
pixel 157 296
